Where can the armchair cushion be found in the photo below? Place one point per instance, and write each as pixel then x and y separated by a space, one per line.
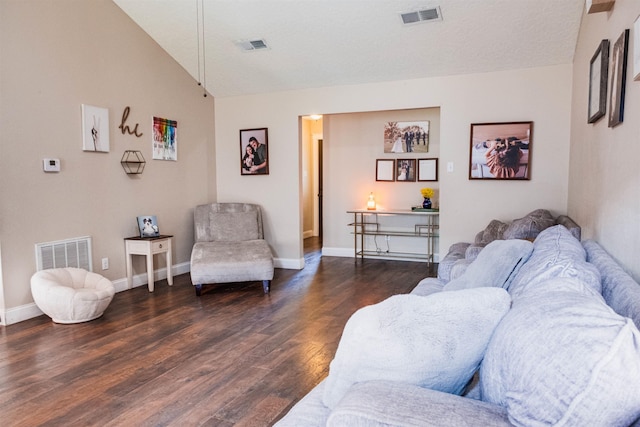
pixel 234 226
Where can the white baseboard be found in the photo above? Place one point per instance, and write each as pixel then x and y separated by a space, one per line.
pixel 348 252
pixel 29 311
pixel 289 263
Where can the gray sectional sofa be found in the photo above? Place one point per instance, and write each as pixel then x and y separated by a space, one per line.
pixel 529 334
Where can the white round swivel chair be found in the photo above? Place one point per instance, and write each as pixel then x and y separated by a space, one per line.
pixel 71 295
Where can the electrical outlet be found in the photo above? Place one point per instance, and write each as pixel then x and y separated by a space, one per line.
pixel 388 238
pixel 105 263
pixel 449 166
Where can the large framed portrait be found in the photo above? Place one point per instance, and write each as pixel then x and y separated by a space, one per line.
pixel 406 137
pixel 500 150
pixel 254 152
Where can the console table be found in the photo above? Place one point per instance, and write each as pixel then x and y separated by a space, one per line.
pixel 372 223
pixel 148 246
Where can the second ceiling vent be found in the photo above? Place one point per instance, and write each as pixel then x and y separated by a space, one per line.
pixel 425 15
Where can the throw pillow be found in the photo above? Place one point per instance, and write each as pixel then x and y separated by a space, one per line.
pixel 495 265
pixel 529 226
pixel 435 342
pixel 562 357
pixel 556 253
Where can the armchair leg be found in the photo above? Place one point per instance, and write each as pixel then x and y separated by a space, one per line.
pixel 266 285
pixel 198 290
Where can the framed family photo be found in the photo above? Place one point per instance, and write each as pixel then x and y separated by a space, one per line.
pixel 598 76
pixel 254 152
pixel 406 137
pixel 406 170
pixel 500 151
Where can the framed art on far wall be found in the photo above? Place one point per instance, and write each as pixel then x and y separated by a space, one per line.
pixel 500 151
pixel 618 79
pixel 406 170
pixel 427 169
pixel 636 49
pixel 385 170
pixel 598 75
pixel 254 152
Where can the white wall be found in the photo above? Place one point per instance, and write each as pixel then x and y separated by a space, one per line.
pixel 604 180
pixel 542 95
pixel 56 56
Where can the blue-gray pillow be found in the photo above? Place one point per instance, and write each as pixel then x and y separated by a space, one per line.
pixel 435 342
pixel 563 357
pixel 495 266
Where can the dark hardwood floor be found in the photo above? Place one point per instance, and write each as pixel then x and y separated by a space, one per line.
pixel 233 356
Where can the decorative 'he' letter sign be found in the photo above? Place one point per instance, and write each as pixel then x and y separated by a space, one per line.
pixel 125 128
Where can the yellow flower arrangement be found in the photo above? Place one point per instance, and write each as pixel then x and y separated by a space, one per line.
pixel 427 193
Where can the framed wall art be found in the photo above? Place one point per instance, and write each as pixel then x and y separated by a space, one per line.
pixel 500 150
pixel 165 140
pixel 254 151
pixel 406 137
pixel 427 169
pixel 598 76
pixel 636 49
pixel 406 170
pixel 618 79
pixel 385 170
pixel 95 128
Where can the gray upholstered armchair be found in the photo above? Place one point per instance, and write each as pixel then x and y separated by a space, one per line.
pixel 230 246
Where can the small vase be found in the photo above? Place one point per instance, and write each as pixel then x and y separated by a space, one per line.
pixel 426 203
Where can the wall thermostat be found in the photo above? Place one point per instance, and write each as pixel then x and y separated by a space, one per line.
pixel 51 165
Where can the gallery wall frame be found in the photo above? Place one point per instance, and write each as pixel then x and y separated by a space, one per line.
pixel 618 79
pixel 406 137
pixel 406 170
pixel 164 144
pixel 385 170
pixel 427 169
pixel 500 151
pixel 598 78
pixel 254 151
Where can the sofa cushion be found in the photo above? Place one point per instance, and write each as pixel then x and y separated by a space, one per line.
pixel 556 253
pixel 495 265
pixel 493 231
pixel 390 403
pixel 435 341
pixel 563 357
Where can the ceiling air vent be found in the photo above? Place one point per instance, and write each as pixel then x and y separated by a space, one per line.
pixel 421 16
pixel 250 45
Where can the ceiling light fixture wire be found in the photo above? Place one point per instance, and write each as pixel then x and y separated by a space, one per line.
pixel 202 68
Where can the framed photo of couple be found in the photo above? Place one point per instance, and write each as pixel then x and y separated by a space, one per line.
pixel 254 152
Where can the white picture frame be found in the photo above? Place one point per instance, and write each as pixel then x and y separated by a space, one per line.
pixel 636 49
pixel 95 128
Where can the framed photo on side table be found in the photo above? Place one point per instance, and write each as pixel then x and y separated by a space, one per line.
pixel 598 76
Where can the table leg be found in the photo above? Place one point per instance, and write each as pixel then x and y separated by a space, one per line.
pixel 150 282
pixel 169 269
pixel 129 271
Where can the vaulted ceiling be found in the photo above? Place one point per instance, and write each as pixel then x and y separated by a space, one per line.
pixel 318 43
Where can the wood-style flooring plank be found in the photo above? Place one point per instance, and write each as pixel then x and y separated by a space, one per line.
pixel 232 357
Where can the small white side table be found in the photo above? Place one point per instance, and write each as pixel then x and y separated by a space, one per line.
pixel 148 246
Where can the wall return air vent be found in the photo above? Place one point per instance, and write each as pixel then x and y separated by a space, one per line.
pixel 251 45
pixel 425 15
